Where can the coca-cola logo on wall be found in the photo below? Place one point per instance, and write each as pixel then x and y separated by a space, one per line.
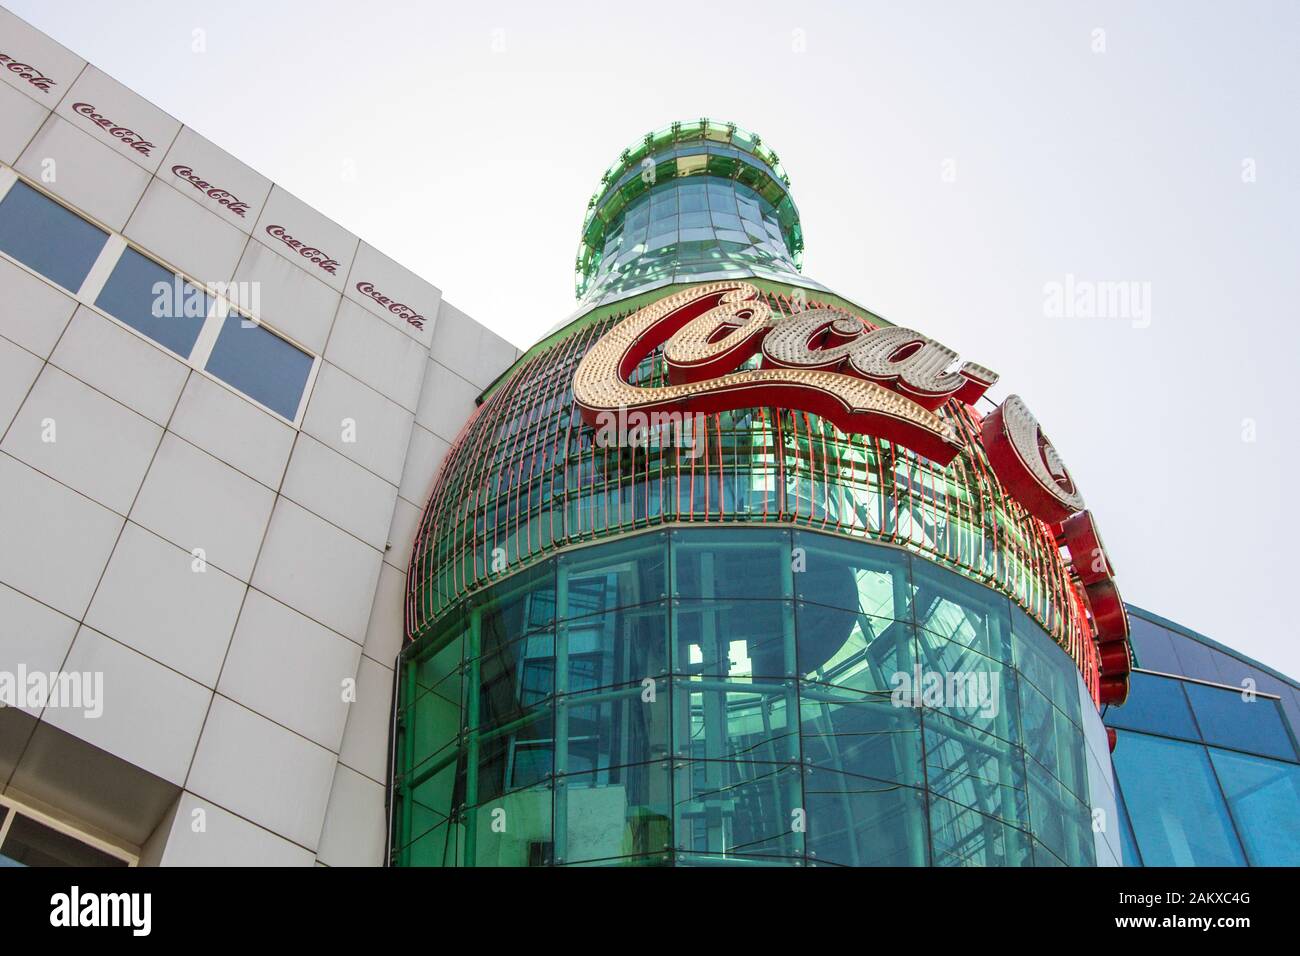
pixel 397 308
pixel 27 72
pixel 128 136
pixel 307 252
pixel 223 196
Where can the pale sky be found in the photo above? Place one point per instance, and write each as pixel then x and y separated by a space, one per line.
pixel 950 160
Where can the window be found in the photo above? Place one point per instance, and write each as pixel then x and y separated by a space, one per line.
pixel 1174 803
pixel 155 301
pixel 1262 795
pixel 260 364
pixel 44 236
pixel 1231 720
pixel 1155 705
pixel 26 841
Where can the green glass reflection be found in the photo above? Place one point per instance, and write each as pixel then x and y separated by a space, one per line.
pixel 962 611
pixel 585 714
pixel 853 650
pixel 864 735
pixel 961 836
pixel 511 830
pixel 733 638
pixel 728 808
pixel 976 769
pixel 747 720
pixel 857 821
pixel 625 812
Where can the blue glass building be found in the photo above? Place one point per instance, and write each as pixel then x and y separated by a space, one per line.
pixel 1206 763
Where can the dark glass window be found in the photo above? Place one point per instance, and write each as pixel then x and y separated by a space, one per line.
pixel 1153 646
pixel 260 364
pixel 1230 720
pixel 43 235
pixel 30 843
pixel 155 301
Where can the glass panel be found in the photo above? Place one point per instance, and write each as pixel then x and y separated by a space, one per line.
pixel 1174 804
pixel 1228 719
pixel 522 604
pixel 623 812
pixel 435 798
pixel 849 575
pixel 1053 741
pixel 260 364
pixel 1060 820
pixel 853 650
pixel 617 575
pixel 45 236
pixel 612 728
pixel 1195 659
pixel 437 847
pixel 512 830
pixel 1128 842
pixel 750 563
pixel 976 769
pixel 618 647
pixel 34 844
pixel 726 808
pixel 513 679
pixel 964 837
pixel 727 720
pixel 855 821
pixel 1263 796
pixel 1152 646
pixel 861 734
pixel 957 608
pixel 1155 704
pixel 144 295
pixel 514 755
pixel 1045 664
pixel 977 690
pixel 733 638
pixel 434 720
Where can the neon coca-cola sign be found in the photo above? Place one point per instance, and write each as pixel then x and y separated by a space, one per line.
pixel 223 196
pixel 888 382
pixel 125 134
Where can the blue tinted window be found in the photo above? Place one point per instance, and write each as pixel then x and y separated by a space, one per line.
pixel 155 301
pixel 40 233
pixel 1155 704
pixel 1174 804
pixel 1128 843
pixel 1262 795
pixel 1225 718
pixel 260 364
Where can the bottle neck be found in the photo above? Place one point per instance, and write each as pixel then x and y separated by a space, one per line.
pixel 695 229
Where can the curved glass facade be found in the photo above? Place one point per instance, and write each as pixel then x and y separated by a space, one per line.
pixel 699 229
pixel 747 696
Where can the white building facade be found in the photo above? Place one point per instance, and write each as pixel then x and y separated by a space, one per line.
pixel 221 414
